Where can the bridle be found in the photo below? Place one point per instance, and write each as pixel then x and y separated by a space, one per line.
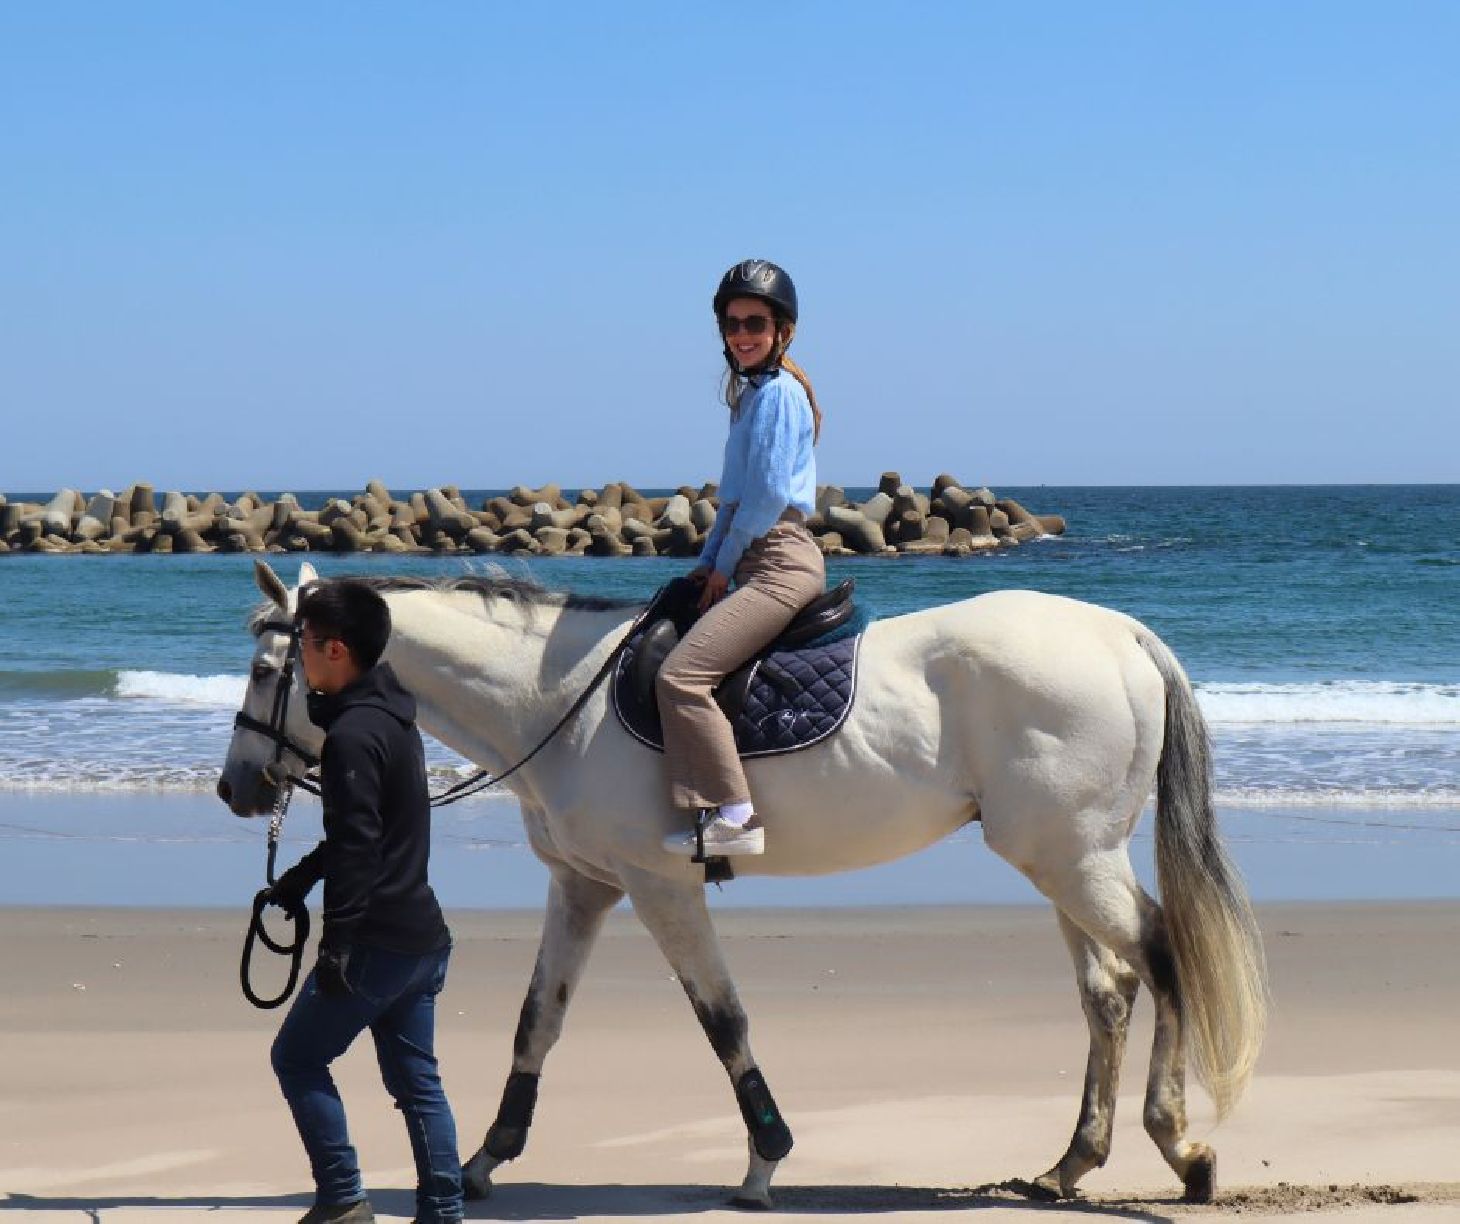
pixel 279 713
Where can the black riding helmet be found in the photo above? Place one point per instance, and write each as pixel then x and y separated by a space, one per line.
pixel 758 278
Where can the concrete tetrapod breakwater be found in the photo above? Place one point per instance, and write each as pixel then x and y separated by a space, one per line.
pixel 948 519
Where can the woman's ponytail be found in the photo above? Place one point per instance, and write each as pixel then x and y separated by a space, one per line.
pixel 799 375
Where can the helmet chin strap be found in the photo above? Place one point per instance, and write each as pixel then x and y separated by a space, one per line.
pixel 771 365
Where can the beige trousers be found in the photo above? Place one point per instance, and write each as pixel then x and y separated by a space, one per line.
pixel 778 575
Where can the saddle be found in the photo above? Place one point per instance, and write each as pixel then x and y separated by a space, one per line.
pixel 794 693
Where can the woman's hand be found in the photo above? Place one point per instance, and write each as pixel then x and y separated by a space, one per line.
pixel 716 584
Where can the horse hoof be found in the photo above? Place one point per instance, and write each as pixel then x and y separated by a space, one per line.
pixel 745 1202
pixel 476 1180
pixel 1043 1189
pixel 1201 1180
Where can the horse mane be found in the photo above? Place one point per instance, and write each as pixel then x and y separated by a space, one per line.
pixel 496 586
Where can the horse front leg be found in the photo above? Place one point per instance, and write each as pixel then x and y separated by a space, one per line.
pixel 576 909
pixel 1107 992
pixel 678 919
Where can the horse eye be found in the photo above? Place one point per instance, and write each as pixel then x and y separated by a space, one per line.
pixel 261 672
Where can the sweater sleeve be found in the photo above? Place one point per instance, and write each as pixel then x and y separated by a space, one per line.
pixel 351 776
pixel 729 492
pixel 769 466
pixel 721 525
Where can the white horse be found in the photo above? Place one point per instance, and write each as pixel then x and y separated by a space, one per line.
pixel 1048 720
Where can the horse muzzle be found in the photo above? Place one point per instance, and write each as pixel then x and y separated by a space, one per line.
pixel 255 795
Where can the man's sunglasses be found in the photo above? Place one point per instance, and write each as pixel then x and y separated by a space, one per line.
pixel 752 325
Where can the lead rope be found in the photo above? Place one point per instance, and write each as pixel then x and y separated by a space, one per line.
pixel 295 911
pixel 484 779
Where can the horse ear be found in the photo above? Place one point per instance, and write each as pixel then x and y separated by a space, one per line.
pixel 307 574
pixel 270 584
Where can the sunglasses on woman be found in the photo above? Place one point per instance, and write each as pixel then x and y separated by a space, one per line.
pixel 751 325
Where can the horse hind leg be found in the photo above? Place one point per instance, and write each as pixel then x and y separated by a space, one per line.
pixel 1165 1108
pixel 576 909
pixel 1107 993
pixel 1102 896
pixel 678 919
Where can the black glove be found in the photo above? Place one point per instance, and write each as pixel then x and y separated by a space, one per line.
pixel 329 972
pixel 290 889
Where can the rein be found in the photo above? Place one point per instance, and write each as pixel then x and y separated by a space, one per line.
pixel 483 779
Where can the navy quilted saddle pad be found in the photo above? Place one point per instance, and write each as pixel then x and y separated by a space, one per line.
pixel 782 700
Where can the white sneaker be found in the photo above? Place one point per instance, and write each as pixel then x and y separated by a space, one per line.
pixel 721 838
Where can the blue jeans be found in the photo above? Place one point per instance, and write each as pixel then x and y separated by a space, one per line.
pixel 394 996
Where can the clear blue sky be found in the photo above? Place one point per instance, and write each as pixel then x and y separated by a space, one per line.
pixel 298 246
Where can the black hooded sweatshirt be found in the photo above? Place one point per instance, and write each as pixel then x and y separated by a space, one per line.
pixel 377 820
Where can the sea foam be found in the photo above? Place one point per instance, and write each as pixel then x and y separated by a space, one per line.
pixel 1332 701
pixel 1372 702
pixel 219 692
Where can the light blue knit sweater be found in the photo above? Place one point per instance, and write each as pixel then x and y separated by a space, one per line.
pixel 770 465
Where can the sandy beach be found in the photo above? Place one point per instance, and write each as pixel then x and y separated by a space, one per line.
pixel 923 1057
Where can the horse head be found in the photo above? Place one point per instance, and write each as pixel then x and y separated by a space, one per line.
pixel 273 743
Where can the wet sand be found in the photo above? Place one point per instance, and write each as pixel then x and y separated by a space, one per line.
pixel 170 849
pixel 923 1057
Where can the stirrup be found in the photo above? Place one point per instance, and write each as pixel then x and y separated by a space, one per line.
pixel 718 869
pixel 702 818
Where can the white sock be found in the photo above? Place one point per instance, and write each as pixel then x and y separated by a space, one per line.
pixel 737 814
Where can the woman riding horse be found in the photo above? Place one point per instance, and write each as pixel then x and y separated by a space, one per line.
pixel 759 541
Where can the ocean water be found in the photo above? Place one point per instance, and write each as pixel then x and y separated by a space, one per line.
pixel 1321 626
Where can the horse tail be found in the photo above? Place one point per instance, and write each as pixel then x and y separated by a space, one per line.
pixel 1221 970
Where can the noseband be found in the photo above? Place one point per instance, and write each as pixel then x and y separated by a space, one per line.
pixel 273 730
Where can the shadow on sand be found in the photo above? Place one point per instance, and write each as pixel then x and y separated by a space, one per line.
pixel 534 1201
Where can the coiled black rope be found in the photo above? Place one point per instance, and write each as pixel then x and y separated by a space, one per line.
pixel 294 911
